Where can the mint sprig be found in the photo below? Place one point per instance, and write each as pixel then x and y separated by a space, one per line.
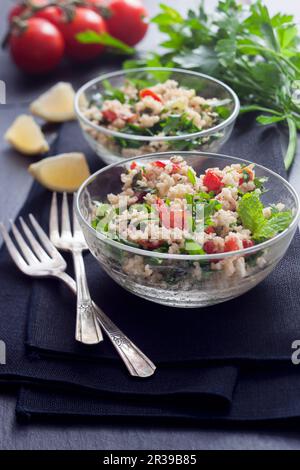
pixel 250 211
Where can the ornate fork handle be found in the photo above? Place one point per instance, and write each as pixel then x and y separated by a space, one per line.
pixel 135 360
pixel 87 328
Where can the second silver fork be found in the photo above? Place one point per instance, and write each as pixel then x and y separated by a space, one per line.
pixel 87 327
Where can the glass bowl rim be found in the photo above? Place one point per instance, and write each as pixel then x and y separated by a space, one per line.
pixel 145 138
pixel 206 257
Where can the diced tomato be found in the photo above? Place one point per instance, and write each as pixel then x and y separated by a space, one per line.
pixel 175 168
pixel 212 181
pixel 159 164
pixel 231 244
pixel 146 92
pixel 248 243
pixel 109 115
pixel 209 230
pixel 209 247
pixel 150 245
pixel 133 165
pixel 249 175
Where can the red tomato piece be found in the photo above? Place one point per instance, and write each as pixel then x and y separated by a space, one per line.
pixel 175 167
pixel 209 230
pixel 109 115
pixel 248 243
pixel 249 175
pixel 151 245
pixel 209 247
pixel 212 181
pixel 147 92
pixel 133 165
pixel 159 164
pixel 38 48
pixel 231 244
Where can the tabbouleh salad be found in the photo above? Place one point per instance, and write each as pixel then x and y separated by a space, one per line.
pixel 157 210
pixel 164 109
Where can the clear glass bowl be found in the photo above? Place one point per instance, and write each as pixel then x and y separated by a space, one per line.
pixel 183 280
pixel 114 146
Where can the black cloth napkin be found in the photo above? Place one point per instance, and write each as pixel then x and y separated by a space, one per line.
pixel 262 394
pixel 260 325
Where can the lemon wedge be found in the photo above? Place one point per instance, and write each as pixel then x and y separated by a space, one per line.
pixel 26 136
pixel 64 172
pixel 56 104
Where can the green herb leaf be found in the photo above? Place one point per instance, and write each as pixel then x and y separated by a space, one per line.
pixel 91 37
pixel 250 211
pixel 193 248
pixel 112 92
pixel 269 119
pixel 242 46
pixel 276 224
pixel 191 176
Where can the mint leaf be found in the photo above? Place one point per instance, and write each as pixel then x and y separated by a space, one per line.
pixel 91 37
pixel 276 224
pixel 250 211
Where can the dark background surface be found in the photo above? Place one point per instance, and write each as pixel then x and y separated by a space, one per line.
pixel 15 180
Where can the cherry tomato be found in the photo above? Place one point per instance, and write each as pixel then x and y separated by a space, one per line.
pixel 53 14
pixel 147 92
pixel 109 115
pixel 37 49
pixel 16 10
pixel 231 244
pixel 83 20
pixel 20 8
pixel 248 243
pixel 125 20
pixel 133 165
pixel 212 181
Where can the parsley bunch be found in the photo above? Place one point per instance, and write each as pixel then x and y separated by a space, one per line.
pixel 255 53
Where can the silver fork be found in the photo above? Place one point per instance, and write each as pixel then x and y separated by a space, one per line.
pixel 42 259
pixel 87 327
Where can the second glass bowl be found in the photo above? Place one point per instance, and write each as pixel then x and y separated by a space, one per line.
pixel 113 146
